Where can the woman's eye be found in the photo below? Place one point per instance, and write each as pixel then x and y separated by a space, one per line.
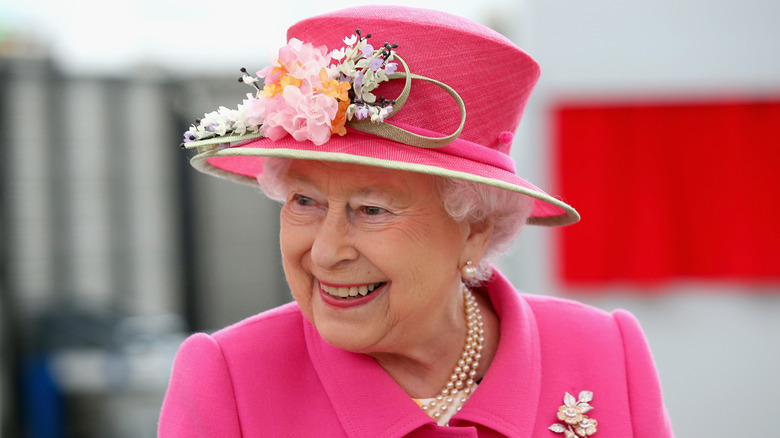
pixel 371 211
pixel 303 200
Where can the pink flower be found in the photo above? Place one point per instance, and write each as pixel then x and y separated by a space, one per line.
pixel 301 61
pixel 304 116
pixel 271 74
pixel 292 101
pixel 255 110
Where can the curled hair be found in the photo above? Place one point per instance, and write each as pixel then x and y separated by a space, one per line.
pixel 463 201
pixel 474 202
pixel 271 180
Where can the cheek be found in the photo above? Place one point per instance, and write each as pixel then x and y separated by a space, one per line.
pixel 426 236
pixel 294 248
pixel 293 237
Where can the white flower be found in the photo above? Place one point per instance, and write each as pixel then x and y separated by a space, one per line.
pixel 200 131
pixel 361 45
pixel 351 111
pixel 381 75
pixel 239 119
pixel 362 64
pixel 350 40
pixel 347 68
pixel 384 112
pixel 338 54
pixel 375 114
pixel 239 128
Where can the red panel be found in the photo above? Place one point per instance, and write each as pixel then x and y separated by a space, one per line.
pixel 670 191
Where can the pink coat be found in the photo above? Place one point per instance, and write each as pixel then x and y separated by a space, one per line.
pixel 272 375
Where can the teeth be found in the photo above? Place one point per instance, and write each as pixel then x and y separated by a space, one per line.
pixel 353 291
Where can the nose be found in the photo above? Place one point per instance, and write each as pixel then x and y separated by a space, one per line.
pixel 333 244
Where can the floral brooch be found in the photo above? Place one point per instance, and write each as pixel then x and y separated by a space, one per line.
pixel 306 95
pixel 572 413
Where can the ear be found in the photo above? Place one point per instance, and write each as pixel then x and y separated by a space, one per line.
pixel 478 236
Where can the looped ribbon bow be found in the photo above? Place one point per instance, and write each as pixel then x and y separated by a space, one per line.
pixel 400 135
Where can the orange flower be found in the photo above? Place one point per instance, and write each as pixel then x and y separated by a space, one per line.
pixel 340 92
pixel 341 118
pixel 272 88
pixel 334 88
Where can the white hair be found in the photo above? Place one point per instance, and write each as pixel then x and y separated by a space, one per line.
pixel 463 200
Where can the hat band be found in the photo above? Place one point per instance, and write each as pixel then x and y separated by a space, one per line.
pixel 459 147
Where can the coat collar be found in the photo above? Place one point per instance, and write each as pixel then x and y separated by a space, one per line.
pixel 507 398
pixel 368 402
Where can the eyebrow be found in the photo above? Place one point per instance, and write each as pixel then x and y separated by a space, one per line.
pixel 365 190
pixel 299 177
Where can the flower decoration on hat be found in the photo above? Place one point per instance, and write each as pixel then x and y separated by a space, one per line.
pixel 306 95
pixel 572 414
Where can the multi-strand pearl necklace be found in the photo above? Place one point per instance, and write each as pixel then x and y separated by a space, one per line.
pixel 461 383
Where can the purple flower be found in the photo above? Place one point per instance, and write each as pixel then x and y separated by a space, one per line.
pixel 368 51
pixel 391 68
pixel 376 63
pixel 362 112
pixel 358 82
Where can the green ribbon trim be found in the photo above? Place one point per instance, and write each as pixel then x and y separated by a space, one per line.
pixel 211 143
pixel 401 135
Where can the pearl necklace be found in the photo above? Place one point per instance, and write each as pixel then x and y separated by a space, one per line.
pixel 461 383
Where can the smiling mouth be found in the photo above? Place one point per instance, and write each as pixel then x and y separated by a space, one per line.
pixel 350 292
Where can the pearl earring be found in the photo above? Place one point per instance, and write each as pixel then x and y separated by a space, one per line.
pixel 468 271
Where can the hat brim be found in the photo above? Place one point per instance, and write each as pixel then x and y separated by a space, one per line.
pixel 234 163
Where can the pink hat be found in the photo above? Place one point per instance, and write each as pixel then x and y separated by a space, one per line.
pixel 459 91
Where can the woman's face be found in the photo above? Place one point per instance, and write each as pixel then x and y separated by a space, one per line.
pixel 371 255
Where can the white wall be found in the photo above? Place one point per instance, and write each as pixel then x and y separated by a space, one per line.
pixel 715 344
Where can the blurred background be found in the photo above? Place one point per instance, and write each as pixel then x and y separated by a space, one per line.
pixel 658 120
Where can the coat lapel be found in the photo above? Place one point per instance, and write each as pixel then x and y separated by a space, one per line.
pixel 507 398
pixel 366 399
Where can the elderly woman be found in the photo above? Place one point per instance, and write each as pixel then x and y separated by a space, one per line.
pixel 392 212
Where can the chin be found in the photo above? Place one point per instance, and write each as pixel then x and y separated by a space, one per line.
pixel 345 341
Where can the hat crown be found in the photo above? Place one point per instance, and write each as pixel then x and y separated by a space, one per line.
pixel 492 75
